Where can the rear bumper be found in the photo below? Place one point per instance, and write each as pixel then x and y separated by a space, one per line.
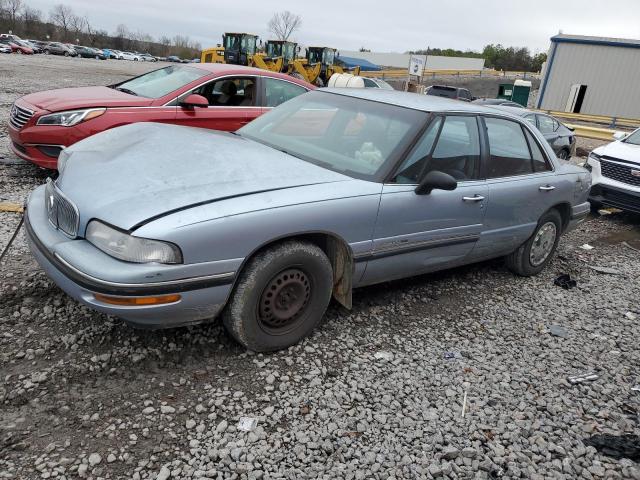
pixel 201 298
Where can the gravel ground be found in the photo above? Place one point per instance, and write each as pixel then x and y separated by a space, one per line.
pixel 377 392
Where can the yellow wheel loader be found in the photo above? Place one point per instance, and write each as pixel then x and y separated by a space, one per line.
pixel 213 55
pixel 241 49
pixel 318 66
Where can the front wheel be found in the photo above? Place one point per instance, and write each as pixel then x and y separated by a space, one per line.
pixel 46 52
pixel 533 255
pixel 563 155
pixel 66 54
pixel 280 297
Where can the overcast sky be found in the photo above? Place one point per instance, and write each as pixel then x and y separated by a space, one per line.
pixel 385 26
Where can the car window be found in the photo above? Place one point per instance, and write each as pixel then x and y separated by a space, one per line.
pixel 508 149
pixel 547 124
pixel 368 83
pixel 227 92
pixel 540 163
pixel 279 91
pixel 410 169
pixel 457 151
pixel 531 119
pixel 353 136
pixel 159 83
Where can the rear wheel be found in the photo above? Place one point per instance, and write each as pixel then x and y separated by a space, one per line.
pixel 66 54
pixel 19 52
pixel 563 154
pixel 280 297
pixel 46 52
pixel 533 255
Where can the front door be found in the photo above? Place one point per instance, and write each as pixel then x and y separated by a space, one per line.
pixel 419 233
pixel 232 104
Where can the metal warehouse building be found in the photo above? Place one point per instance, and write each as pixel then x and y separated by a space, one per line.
pixel 592 75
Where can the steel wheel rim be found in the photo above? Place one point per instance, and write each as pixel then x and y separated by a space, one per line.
pixel 543 244
pixel 284 300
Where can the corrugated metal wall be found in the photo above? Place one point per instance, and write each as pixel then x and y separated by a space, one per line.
pixel 612 76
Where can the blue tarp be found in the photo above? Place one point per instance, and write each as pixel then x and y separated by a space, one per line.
pixel 365 65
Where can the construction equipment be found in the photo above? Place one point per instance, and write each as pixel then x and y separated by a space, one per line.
pixel 212 55
pixel 241 49
pixel 318 66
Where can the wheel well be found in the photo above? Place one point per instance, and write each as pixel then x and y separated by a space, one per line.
pixel 339 254
pixel 564 209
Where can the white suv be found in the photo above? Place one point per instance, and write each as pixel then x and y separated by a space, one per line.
pixel 615 173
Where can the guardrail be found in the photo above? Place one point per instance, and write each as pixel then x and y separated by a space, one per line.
pixel 403 73
pixel 612 122
pixel 595 133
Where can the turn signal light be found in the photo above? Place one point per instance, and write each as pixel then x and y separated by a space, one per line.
pixel 137 301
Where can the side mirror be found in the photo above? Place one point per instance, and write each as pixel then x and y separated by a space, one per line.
pixel 436 180
pixel 194 100
pixel 619 135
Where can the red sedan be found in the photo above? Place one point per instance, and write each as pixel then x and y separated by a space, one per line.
pixel 215 96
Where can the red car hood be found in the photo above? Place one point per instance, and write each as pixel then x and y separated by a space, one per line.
pixel 83 97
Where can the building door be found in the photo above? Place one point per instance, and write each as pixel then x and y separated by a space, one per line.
pixel 576 97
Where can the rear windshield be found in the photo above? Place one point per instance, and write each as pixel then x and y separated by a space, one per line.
pixel 448 92
pixel 161 82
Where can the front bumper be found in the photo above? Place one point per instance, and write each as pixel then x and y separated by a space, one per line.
pixel 201 297
pixel 610 192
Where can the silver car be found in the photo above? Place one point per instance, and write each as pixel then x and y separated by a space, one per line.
pixel 165 225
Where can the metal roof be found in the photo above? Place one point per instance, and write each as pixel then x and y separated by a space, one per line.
pixel 602 41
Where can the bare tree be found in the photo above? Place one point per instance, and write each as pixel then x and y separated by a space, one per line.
pixel 62 16
pixel 31 19
pixel 283 24
pixel 13 8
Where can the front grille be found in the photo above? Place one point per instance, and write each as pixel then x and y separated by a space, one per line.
pixel 19 116
pixel 621 173
pixel 61 212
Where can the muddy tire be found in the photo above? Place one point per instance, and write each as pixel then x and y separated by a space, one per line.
pixel 563 154
pixel 534 254
pixel 280 297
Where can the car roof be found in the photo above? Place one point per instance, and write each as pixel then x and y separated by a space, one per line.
pixel 415 101
pixel 520 112
pixel 226 69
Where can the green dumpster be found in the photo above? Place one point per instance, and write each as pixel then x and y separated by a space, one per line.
pixel 517 91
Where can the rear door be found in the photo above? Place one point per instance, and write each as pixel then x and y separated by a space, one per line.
pixel 232 104
pixel 419 233
pixel 549 127
pixel 522 186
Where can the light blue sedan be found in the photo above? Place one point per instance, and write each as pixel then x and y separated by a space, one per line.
pixel 165 226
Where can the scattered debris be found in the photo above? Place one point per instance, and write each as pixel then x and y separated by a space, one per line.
pixel 608 211
pixel 606 270
pixel 635 388
pixel 305 409
pixel 383 356
pixel 565 281
pixel 587 247
pixel 452 355
pixel 616 446
pixel 631 315
pixel 585 377
pixel 464 404
pixel 247 424
pixel 629 246
pixel 352 434
pixel 558 331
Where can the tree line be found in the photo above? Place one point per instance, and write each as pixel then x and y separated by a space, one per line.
pixel 62 24
pixel 495 56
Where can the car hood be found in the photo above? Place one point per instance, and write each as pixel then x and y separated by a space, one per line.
pixel 620 150
pixel 130 175
pixel 83 97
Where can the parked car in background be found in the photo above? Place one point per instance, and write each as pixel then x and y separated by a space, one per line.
pixel 148 58
pixel 488 102
pixel 39 43
pixel 615 168
pixel 561 138
pixel 454 93
pixel 88 52
pixel 29 44
pixel 173 58
pixel 117 54
pixel 16 46
pixel 107 53
pixel 5 48
pixel 376 83
pixel 167 226
pixel 215 96
pixel 57 48
pixel 130 56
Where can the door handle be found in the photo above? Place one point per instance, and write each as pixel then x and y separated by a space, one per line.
pixel 546 188
pixel 475 198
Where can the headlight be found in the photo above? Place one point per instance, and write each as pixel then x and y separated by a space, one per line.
pixel 125 247
pixel 70 118
pixel 594 156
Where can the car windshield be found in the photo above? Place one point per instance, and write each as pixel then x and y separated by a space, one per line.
pixel 634 138
pixel 161 82
pixel 353 136
pixel 447 92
